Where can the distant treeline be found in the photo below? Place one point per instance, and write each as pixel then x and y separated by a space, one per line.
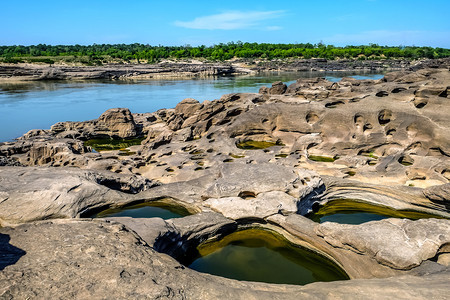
pixel 217 52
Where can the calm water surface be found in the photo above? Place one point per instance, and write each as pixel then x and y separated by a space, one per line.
pixel 145 210
pixel 255 255
pixel 38 105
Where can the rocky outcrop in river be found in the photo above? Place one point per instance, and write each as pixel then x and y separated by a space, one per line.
pixel 24 72
pixel 265 160
pixel 117 71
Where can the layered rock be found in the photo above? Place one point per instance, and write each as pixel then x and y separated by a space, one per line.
pixel 113 123
pixel 28 194
pixel 243 161
pixel 83 259
pixel 117 71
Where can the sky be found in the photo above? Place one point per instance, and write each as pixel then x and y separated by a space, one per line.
pixel 336 22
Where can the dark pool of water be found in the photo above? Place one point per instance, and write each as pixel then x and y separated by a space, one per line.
pixel 356 212
pixel 40 104
pixel 350 218
pixel 258 255
pixel 145 210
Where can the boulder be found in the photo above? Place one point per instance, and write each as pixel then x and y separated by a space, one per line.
pixel 278 88
pixel 440 193
pixel 116 123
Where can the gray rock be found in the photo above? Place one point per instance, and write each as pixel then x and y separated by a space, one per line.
pixel 277 88
pixel 92 259
pixel 439 193
pixel 397 243
pixel 262 206
pixel 28 194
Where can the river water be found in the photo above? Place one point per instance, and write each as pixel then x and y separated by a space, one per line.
pixel 40 104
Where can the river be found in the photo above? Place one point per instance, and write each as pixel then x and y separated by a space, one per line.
pixel 40 104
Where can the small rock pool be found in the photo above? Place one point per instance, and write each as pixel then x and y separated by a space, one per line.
pixel 145 210
pixel 355 212
pixel 264 256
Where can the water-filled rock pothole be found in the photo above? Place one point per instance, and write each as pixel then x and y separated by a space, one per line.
pixel 155 209
pixel 254 145
pixel 108 144
pixel 356 212
pixel 264 256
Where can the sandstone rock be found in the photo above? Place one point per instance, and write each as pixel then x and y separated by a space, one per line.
pixel 264 90
pixel 28 194
pixel 261 206
pixel 83 259
pixel 58 153
pixel 187 107
pixel 400 244
pixel 236 179
pixel 438 193
pixel 277 88
pixel 116 123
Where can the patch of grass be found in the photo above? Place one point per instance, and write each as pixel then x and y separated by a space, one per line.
pixel 236 156
pixel 321 158
pixel 12 60
pixel 41 59
pixel 370 154
pixel 112 144
pixel 282 155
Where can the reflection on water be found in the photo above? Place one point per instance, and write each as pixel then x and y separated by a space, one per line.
pixel 145 210
pixel 354 212
pixel 260 255
pixel 40 104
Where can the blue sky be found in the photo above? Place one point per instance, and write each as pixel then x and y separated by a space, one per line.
pixel 337 22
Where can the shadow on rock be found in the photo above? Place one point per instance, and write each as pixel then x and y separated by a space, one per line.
pixel 183 247
pixel 9 254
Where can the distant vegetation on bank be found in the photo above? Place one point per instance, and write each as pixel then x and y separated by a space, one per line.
pixel 97 54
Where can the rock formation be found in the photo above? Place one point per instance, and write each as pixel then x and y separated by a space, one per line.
pixel 263 160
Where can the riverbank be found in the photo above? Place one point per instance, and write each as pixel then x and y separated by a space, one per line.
pixel 186 69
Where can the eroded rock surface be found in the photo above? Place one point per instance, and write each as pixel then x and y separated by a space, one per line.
pixel 28 194
pixel 91 259
pixel 397 243
pixel 261 160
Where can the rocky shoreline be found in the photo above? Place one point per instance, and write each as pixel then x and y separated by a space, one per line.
pixel 263 161
pixel 27 72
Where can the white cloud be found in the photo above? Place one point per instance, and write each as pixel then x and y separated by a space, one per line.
pixel 273 28
pixel 232 20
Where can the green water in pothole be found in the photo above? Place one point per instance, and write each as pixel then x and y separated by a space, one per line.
pixel 145 210
pixel 113 144
pixel 264 256
pixel 321 158
pixel 356 212
pixel 255 145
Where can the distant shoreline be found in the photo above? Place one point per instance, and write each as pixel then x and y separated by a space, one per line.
pixel 186 69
